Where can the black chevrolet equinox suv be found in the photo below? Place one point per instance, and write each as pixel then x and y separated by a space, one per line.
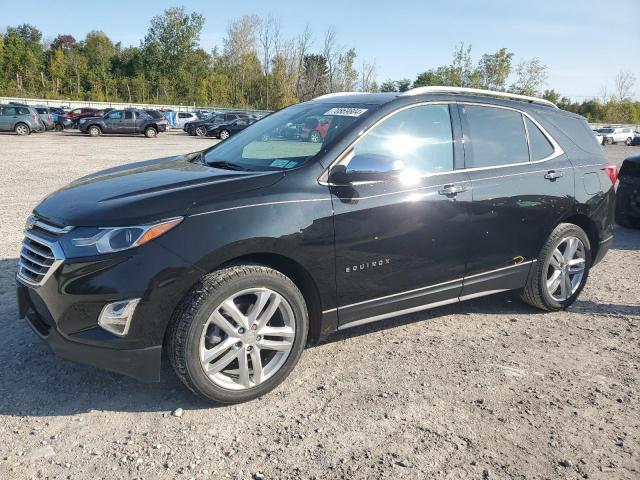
pixel 233 258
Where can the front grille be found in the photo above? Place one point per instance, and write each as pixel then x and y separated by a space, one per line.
pixel 39 256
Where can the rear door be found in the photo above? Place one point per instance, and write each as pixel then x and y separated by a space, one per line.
pixel 522 185
pixel 128 124
pixel 401 245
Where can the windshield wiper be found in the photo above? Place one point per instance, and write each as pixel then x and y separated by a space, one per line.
pixel 228 165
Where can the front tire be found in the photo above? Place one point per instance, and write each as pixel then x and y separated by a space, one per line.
pixel 561 270
pixel 238 333
pixel 315 137
pixel 94 131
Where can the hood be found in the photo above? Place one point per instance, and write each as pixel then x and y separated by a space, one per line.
pixel 145 192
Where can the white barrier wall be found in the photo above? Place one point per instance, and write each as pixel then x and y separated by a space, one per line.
pixel 100 105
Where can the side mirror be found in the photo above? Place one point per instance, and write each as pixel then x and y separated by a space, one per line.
pixel 368 167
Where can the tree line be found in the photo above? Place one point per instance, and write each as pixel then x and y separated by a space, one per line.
pixel 497 71
pixel 255 67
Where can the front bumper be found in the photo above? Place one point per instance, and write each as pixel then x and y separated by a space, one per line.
pixel 142 364
pixel 63 308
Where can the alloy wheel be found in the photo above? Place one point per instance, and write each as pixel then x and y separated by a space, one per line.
pixel 22 129
pixel 247 339
pixel 566 268
pixel 224 135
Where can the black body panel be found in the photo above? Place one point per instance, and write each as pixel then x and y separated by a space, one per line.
pixel 359 252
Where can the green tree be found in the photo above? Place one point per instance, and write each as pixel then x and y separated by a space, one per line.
pixel 494 69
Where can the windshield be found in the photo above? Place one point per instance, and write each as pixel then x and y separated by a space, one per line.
pixel 288 138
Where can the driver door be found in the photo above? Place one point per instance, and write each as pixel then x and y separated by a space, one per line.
pixel 112 121
pixel 401 244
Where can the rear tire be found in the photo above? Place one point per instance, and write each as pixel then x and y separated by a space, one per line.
pixel 195 333
pixel 556 253
pixel 22 129
pixel 224 134
pixel 94 131
pixel 150 132
pixel 628 142
pixel 59 128
pixel 201 131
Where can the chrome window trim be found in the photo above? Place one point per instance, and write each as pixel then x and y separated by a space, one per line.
pixel 557 149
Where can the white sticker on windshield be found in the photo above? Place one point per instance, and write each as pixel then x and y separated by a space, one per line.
pixel 346 112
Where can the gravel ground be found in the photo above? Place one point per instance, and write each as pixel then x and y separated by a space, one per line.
pixel 485 389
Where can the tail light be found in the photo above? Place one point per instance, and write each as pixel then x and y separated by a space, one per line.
pixel 612 171
pixel 35 117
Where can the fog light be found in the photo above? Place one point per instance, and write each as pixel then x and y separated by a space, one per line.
pixel 116 317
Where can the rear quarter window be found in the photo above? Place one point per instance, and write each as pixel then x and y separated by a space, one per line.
pixel 539 145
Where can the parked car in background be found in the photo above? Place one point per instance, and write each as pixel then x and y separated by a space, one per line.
pixel 599 137
pixel 225 130
pixel 20 119
pixel 46 117
pixel 72 118
pixel 200 127
pixel 232 259
pixel 130 121
pixel 628 193
pixel 617 134
pixel 184 117
pixel 203 113
pixel 81 112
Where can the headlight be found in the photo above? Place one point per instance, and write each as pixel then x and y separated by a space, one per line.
pixel 87 241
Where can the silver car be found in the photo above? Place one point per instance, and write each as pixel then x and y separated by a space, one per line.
pixel 21 119
pixel 45 116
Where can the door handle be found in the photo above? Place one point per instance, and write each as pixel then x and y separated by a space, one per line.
pixel 552 175
pixel 452 190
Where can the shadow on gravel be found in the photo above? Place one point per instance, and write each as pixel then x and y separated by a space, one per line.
pixel 625 238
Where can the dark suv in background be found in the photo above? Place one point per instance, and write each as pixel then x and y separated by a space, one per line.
pixel 129 121
pixel 235 257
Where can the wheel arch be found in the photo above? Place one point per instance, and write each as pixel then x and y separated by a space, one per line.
pixel 293 269
pixel 589 227
pixel 298 275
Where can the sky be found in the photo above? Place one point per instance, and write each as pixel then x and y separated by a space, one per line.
pixel 583 45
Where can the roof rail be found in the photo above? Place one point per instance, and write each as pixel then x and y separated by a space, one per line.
pixel 477 91
pixel 338 94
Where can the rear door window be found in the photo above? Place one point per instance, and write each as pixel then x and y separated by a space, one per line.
pixel 539 145
pixel 496 136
